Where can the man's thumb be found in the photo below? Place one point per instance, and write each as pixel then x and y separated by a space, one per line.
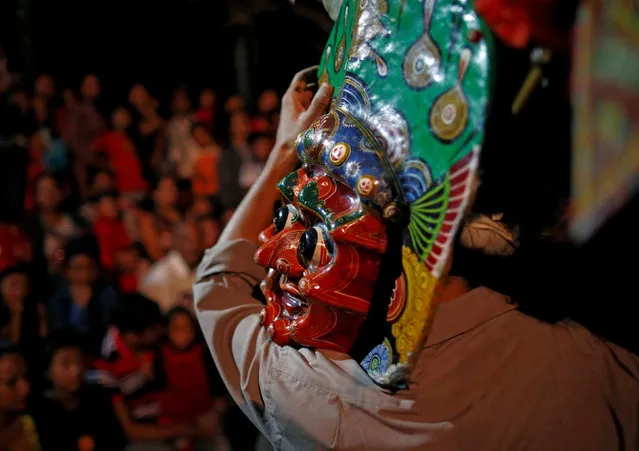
pixel 320 103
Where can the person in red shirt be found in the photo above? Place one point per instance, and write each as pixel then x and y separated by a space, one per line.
pixel 134 264
pixel 205 115
pixel 118 148
pixel 205 181
pixel 131 372
pixel 193 386
pixel 109 230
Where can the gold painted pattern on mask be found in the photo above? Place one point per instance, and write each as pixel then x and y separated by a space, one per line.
pixel 449 114
pixel 423 59
pixel 418 310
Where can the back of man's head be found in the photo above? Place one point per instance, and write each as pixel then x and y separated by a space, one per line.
pixel 135 313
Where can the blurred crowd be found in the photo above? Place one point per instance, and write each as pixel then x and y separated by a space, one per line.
pixel 99 349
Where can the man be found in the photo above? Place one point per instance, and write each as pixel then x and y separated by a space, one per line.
pixel 488 376
pixel 170 280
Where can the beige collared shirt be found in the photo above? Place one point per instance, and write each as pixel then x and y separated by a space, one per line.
pixel 489 378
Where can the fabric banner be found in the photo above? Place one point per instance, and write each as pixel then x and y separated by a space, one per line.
pixel 606 107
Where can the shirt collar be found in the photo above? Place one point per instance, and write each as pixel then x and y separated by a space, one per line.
pixel 467 312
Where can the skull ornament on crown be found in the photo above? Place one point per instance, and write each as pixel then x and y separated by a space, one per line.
pixel 395 155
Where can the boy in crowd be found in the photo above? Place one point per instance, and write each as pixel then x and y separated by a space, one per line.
pixel 71 414
pixel 128 368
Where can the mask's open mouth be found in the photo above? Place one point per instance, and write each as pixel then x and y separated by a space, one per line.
pixel 279 289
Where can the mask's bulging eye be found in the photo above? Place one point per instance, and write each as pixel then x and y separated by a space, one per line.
pixel 284 217
pixel 314 248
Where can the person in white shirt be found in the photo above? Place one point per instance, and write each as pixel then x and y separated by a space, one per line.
pixel 170 280
pixel 182 149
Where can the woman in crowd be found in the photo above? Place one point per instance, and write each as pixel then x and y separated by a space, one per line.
pixel 17 431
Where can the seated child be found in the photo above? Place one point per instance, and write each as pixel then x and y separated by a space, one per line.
pixel 81 300
pixel 73 415
pixel 17 431
pixel 129 369
pixel 193 387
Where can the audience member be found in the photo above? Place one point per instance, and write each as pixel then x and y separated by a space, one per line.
pixel 121 155
pixel 129 369
pixel 233 157
pixel 147 129
pixel 82 301
pixel 85 125
pixel 15 245
pixel 48 215
pixel 35 167
pixel 234 104
pixel 24 316
pixel 205 180
pixel 170 280
pixel 260 145
pixel 193 386
pixel 109 230
pixel 64 114
pixel 133 265
pixel 156 217
pixel 205 114
pixel 182 149
pixel 267 118
pixel 17 430
pixel 44 87
pixel 72 414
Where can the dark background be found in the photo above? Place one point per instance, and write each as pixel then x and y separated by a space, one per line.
pixel 162 44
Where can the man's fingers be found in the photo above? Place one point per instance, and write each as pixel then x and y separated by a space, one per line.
pixel 306 98
pixel 303 76
pixel 320 103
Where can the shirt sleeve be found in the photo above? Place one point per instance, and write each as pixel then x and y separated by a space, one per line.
pixel 275 386
pixel 228 316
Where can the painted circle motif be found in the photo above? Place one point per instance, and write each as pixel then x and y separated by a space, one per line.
pixel 449 115
pixel 339 153
pixel 377 361
pixel 366 186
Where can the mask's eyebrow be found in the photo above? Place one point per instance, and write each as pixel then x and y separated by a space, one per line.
pixel 290 185
pixel 309 200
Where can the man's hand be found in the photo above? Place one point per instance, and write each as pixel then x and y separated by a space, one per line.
pixel 297 113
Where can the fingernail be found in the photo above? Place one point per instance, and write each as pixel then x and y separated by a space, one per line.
pixel 325 90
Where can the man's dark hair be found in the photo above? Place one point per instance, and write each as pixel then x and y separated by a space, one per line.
pixel 135 313
pixel 82 245
pixel 61 339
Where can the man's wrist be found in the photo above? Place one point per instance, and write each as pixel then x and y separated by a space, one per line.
pixel 281 162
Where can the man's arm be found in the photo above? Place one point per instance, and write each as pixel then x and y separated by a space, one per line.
pixel 227 277
pixel 256 210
